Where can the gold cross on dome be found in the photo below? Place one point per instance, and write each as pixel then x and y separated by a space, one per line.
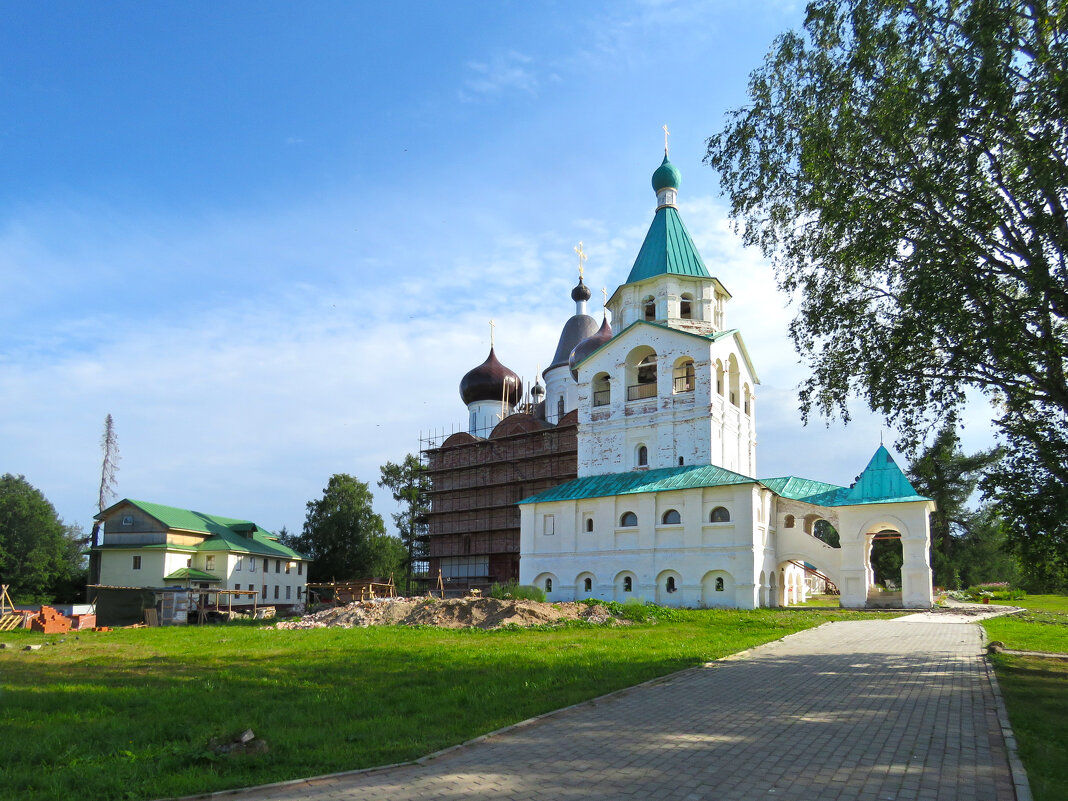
pixel 582 257
pixel 491 333
pixel 667 133
pixel 604 291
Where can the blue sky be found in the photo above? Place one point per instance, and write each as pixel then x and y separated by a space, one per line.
pixel 268 237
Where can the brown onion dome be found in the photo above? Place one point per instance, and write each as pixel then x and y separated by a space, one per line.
pixel 491 381
pixel 588 346
pixel 581 292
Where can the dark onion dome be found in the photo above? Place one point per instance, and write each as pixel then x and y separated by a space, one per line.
pixel 537 391
pixel 489 381
pixel 576 329
pixel 666 176
pixel 588 346
pixel 581 292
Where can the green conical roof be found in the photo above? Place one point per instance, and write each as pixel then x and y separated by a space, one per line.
pixel 667 248
pixel 882 481
pixel 666 175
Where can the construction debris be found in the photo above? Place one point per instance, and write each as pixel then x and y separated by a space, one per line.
pixel 49 621
pixel 451 613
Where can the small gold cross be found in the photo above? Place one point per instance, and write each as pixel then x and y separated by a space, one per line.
pixel 582 257
pixel 491 333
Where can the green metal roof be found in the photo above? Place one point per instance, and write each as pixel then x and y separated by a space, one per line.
pixel 660 480
pixel 225 533
pixel 667 248
pixel 881 482
pixel 190 573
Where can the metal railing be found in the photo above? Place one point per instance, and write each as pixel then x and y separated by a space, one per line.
pixel 684 383
pixel 639 391
pixel 602 397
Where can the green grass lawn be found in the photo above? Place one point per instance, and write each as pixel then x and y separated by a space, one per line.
pixel 1036 688
pixel 1040 603
pixel 1036 695
pixel 130 714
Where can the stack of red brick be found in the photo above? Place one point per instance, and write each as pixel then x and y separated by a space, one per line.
pixel 49 621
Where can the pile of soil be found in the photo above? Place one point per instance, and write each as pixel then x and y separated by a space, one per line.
pixel 451 613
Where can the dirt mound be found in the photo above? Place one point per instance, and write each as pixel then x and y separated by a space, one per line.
pixel 452 613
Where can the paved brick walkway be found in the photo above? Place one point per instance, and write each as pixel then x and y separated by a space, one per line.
pixel 864 711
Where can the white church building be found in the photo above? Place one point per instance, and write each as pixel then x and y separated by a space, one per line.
pixel 667 506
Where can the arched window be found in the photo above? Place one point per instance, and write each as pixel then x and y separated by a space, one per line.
pixel 720 515
pixel 788 522
pixel 643 456
pixel 589 524
pixel 560 406
pixel 548 585
pixel 669 585
pixel 686 306
pixel 587 584
pixel 719 584
pixel 628 584
pixel 683 377
pixel 672 518
pixel 602 390
pixel 641 373
pixel 649 307
pixel 647 370
pixel 628 520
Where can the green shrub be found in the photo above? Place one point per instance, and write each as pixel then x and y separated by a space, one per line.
pixel 514 591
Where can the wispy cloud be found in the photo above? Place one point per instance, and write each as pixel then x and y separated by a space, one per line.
pixel 503 73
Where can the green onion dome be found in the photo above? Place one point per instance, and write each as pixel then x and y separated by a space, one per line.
pixel 666 176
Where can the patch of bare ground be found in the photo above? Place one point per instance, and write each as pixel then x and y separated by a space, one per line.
pixel 451 613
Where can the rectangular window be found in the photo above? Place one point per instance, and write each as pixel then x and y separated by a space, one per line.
pixel 549 526
pixel 465 567
pixel 276 592
pixel 137 563
pixel 298 593
pixel 265 567
pixel 237 586
pixel 277 565
pixel 288 591
pixel 263 595
pixel 287 567
pixel 300 568
pixel 252 564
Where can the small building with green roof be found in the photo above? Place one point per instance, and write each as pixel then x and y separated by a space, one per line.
pixel 149 545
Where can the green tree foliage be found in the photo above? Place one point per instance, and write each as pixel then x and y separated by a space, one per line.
pixel 904 163
pixel 944 473
pixel 39 555
pixel 409 483
pixel 344 537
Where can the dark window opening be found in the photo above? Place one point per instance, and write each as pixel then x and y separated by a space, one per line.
pixel 670 584
pixel 628 585
pixel 719 584
pixel 720 515
pixel 548 585
pixel 643 456
pixel 628 520
pixel 672 517
pixel 587 584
